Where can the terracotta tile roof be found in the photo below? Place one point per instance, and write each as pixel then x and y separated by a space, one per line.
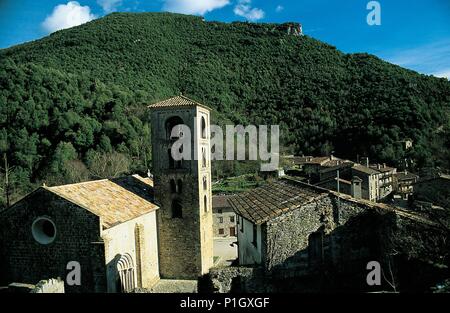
pixel 178 101
pixel 220 202
pixel 318 160
pixel 115 201
pixel 264 203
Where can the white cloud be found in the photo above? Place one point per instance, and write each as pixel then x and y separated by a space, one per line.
pixel 244 9
pixel 431 59
pixel 194 6
pixel 279 8
pixel 66 16
pixel 109 5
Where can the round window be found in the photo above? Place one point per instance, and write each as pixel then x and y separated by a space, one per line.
pixel 44 230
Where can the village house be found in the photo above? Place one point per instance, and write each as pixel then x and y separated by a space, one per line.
pixel 386 180
pixel 312 166
pixel 405 181
pixel 371 182
pixel 280 220
pixel 224 217
pixel 434 189
pixel 290 229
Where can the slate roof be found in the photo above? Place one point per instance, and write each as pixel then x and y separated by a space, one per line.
pixel 271 200
pixel 333 179
pixel 266 202
pixel 365 169
pixel 115 201
pixel 382 168
pixel 343 165
pixel 178 101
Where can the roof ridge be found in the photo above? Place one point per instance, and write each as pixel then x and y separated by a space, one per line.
pixel 313 187
pixel 179 100
pixel 79 183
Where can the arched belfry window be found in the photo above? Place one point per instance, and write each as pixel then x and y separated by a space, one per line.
pixel 125 268
pixel 205 183
pixel 177 209
pixel 173 129
pixel 203 127
pixel 203 157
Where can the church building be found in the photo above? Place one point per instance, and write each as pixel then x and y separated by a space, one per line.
pixel 123 233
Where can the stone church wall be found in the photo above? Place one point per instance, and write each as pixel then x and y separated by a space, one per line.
pixel 23 259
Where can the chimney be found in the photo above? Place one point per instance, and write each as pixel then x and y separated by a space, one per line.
pixel 378 166
pixel 384 165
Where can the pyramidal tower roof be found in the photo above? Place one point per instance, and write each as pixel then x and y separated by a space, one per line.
pixel 178 101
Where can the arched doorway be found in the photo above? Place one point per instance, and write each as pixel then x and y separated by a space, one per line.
pixel 125 268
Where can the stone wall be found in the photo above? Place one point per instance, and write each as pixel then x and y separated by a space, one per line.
pixel 288 235
pixel 77 238
pixel 224 221
pixel 413 253
pixel 233 280
pixel 49 286
pixel 434 190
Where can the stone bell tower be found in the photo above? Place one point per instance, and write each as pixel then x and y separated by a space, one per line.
pixel 182 188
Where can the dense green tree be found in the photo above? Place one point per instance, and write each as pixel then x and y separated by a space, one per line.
pixel 90 85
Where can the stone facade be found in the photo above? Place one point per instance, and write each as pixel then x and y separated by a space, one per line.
pixel 78 238
pixel 183 192
pixel 286 239
pixel 327 244
pixel 224 218
pixel 297 232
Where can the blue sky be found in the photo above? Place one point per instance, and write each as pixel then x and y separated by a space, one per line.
pixel 414 34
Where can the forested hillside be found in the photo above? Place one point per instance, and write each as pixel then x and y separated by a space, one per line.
pixel 76 100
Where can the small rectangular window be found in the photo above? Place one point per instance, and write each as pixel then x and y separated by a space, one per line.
pixel 232 219
pixel 220 219
pixel 220 231
pixel 219 211
pixel 255 235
